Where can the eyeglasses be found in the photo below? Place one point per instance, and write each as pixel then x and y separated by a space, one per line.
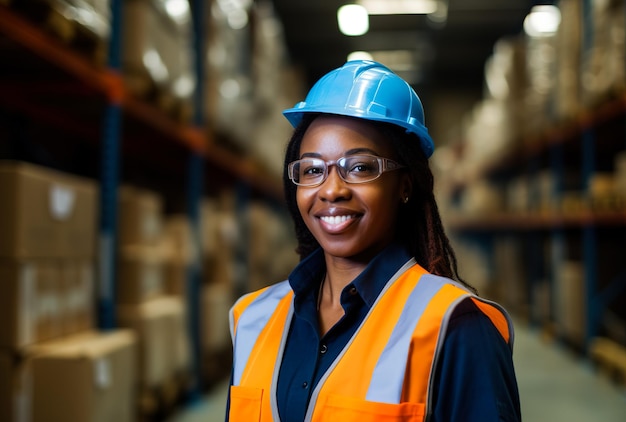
pixel 353 169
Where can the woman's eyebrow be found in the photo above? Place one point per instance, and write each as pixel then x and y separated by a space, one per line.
pixel 361 151
pixel 311 154
pixel 352 151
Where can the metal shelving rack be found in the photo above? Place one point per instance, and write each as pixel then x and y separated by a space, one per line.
pixel 583 141
pixel 583 136
pixel 102 114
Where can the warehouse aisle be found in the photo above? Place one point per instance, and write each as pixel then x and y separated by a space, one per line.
pixel 211 409
pixel 555 386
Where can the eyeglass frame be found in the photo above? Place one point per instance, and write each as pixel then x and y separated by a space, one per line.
pixel 384 165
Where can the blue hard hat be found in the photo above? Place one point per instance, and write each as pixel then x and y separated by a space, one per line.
pixel 368 90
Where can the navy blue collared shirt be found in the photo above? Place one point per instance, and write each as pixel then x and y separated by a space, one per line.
pixel 475 380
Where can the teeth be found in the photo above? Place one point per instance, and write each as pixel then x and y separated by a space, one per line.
pixel 337 219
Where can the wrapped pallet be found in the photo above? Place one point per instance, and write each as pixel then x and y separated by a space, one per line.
pixel 568 56
pixel 157 59
pixel 604 59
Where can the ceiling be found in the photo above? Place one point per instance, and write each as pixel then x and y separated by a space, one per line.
pixel 447 56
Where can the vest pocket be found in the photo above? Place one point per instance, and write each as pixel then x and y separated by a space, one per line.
pixel 349 409
pixel 245 404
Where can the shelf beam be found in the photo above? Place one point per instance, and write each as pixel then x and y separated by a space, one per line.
pixel 516 222
pixel 25 34
pixel 108 83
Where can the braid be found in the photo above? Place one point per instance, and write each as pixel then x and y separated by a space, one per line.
pixel 419 226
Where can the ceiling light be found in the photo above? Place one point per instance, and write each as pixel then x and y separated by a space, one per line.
pixel 542 21
pixel 177 9
pixel 353 20
pixel 360 55
pixel 399 7
pixel 406 63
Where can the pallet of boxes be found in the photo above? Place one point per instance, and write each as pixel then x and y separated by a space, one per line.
pixel 220 234
pixel 54 364
pixel 83 26
pixel 157 316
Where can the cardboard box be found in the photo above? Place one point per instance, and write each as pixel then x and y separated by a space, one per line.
pixel 15 389
pixel 570 309
pixel 46 213
pixel 30 302
pixel 17 378
pixel 149 31
pixel 179 339
pixel 78 295
pixel 140 217
pixel 178 239
pixel 217 300
pixel 93 379
pixel 140 275
pixel 176 279
pixel 178 245
pixel 163 342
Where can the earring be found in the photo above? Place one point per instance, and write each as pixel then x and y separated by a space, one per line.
pixel 406 199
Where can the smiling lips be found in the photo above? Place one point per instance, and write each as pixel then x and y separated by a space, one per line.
pixel 338 219
pixel 337 223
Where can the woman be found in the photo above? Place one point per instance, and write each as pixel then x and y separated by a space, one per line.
pixel 374 324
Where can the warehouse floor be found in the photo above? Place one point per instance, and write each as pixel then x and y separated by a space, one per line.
pixel 555 386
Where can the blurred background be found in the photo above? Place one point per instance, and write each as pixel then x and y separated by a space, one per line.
pixel 141 148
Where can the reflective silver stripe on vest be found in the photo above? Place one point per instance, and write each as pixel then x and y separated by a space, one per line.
pixel 251 323
pixel 388 377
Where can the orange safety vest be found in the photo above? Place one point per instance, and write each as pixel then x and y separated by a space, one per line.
pixel 385 371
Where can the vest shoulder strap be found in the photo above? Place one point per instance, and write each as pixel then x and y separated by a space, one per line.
pixel 252 318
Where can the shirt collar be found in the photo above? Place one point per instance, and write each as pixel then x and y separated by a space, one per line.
pixel 307 276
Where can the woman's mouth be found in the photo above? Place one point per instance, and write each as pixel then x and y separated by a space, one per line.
pixel 336 219
pixel 337 223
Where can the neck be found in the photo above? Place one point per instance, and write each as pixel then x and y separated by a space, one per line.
pixel 329 307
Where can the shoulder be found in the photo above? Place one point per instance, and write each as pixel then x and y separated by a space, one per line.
pixel 457 304
pixel 475 355
pixel 263 300
pixel 478 321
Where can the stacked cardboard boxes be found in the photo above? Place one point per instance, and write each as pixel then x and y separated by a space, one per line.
pixel 47 260
pixel 157 54
pixel 82 25
pixel 220 237
pixel 180 247
pixel 158 319
pixel 570 306
pixel 603 69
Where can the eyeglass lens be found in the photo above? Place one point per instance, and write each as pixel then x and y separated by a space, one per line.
pixel 353 169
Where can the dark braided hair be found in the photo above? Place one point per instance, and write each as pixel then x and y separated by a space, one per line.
pixel 419 225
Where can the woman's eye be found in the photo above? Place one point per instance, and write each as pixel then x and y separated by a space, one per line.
pixel 360 168
pixel 312 171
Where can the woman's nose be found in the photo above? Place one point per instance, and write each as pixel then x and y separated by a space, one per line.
pixel 334 188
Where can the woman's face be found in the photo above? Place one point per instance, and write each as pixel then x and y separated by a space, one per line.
pixel 350 220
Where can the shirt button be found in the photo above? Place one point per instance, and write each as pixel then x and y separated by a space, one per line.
pixel 353 290
pixel 305 384
pixel 323 349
